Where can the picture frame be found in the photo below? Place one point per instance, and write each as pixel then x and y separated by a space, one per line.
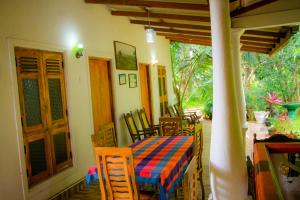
pixel 125 56
pixel 122 79
pixel 132 79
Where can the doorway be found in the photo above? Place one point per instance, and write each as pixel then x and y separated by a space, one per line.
pixel 146 90
pixel 163 94
pixel 101 92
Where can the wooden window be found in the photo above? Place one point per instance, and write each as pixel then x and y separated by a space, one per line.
pixel 43 113
pixel 163 95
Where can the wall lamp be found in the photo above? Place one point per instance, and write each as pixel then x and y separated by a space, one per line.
pixel 79 50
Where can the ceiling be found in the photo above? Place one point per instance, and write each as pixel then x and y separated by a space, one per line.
pixel 188 21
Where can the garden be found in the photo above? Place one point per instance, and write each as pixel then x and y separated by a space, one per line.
pixel 271 84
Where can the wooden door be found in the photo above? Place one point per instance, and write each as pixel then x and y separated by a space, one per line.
pixel 163 94
pixel 145 90
pixel 44 117
pixel 101 92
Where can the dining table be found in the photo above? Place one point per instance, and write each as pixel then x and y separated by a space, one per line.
pixel 159 160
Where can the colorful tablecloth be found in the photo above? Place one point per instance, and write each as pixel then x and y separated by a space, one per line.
pixel 160 160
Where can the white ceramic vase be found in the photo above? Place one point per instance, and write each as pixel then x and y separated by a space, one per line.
pixel 261 116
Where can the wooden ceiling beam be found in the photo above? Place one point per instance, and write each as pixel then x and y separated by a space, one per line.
pixel 255 50
pixel 183 36
pixel 153 4
pixel 161 16
pixel 189 42
pixel 171 25
pixel 290 31
pixel 168 30
pixel 258 39
pixel 203 27
pixel 265 33
pixel 251 7
pixel 257 44
pixel 192 40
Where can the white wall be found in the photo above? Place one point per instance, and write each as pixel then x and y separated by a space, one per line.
pixel 57 25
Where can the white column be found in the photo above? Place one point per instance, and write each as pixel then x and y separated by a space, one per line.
pixel 228 174
pixel 236 58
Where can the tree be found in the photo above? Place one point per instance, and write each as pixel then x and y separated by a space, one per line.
pixel 190 72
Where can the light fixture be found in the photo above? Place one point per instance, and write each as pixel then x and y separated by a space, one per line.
pixel 79 50
pixel 150 33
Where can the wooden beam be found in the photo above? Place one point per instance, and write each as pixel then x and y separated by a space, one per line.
pixel 258 39
pixel 284 41
pixel 257 44
pixel 161 16
pixel 189 42
pixel 171 25
pixel 255 50
pixel 251 7
pixel 183 36
pixel 168 30
pixel 208 42
pixel 153 4
pixel 265 33
pixel 203 27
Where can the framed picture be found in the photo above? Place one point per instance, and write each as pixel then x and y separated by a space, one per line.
pixel 122 79
pixel 125 56
pixel 132 78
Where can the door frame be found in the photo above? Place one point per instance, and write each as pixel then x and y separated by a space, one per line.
pixel 149 87
pixel 110 78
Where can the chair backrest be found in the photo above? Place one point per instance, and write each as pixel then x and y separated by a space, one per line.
pixel 171 111
pixel 132 128
pixel 143 118
pixel 170 125
pixel 109 134
pixel 98 139
pixel 198 144
pixel 106 137
pixel 191 179
pixel 116 173
pixel 177 109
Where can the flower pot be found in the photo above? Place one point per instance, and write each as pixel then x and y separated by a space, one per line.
pixel 261 116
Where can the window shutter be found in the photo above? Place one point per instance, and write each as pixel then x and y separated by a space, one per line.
pixel 43 112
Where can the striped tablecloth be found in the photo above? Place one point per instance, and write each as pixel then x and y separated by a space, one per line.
pixel 159 160
pixel 162 160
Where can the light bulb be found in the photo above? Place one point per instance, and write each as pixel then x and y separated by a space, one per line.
pixel 150 34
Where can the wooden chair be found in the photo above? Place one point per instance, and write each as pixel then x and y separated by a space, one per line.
pixel 191 179
pixel 134 132
pixel 116 174
pixel 198 144
pixel 109 134
pixel 171 111
pixel 170 126
pixel 191 117
pixel 147 127
pixel 106 137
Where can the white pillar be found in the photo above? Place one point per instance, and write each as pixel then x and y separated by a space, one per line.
pixel 228 174
pixel 236 58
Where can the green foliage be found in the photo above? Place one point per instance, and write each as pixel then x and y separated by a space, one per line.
pixel 287 126
pixel 192 75
pixel 279 74
pixel 207 110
